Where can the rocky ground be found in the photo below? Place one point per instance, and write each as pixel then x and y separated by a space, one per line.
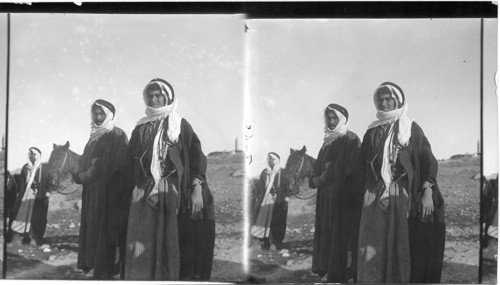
pixel 461 260
pixel 56 258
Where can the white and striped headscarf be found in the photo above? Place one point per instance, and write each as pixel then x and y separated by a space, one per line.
pixel 33 167
pixel 159 114
pixel 341 128
pixel 390 117
pixel 96 131
pixel 276 166
pixel 272 172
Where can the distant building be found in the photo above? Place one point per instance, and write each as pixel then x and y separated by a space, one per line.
pixel 460 156
pixel 236 146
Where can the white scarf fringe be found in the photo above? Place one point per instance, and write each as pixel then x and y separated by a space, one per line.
pixel 390 150
pixel 173 133
pixel 32 168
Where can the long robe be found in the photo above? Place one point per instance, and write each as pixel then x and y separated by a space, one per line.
pixel 34 208
pixel 102 222
pixel 335 232
pixel 387 235
pixel 276 226
pixel 166 242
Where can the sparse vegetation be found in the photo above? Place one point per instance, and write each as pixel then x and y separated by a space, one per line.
pixel 461 195
pixel 57 259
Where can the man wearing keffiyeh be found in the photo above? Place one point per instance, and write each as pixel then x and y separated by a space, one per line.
pixel 270 205
pixel 334 176
pixel 102 223
pixel 30 211
pixel 402 229
pixel 171 227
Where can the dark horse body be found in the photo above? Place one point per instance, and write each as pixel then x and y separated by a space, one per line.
pixel 11 192
pixel 298 166
pixel 489 207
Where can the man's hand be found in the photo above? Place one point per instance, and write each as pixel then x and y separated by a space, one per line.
pixel 196 200
pixel 82 176
pixel 97 167
pixel 153 200
pixel 426 203
pixel 90 172
pixel 316 180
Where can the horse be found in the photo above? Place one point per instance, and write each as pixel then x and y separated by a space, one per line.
pixel 11 194
pixel 489 209
pixel 299 165
pixel 63 166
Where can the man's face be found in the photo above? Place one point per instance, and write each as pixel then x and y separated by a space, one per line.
pixel 386 103
pixel 32 156
pixel 331 120
pixel 155 99
pixel 271 161
pixel 98 115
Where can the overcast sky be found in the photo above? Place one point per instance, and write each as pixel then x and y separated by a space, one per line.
pixel 61 63
pixel 298 67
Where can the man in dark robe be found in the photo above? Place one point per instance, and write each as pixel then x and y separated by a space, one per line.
pixel 102 224
pixel 402 229
pixel 334 176
pixel 29 217
pixel 171 226
pixel 270 205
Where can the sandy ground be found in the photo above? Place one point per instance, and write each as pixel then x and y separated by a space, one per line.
pixel 56 259
pixel 225 172
pixel 461 260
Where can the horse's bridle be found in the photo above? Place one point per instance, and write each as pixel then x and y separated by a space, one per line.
pixel 296 176
pixel 59 172
pixel 300 168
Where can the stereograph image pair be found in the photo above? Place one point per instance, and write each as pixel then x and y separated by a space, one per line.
pixel 221 148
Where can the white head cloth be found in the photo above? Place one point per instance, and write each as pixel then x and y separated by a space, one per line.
pixel 96 131
pixel 159 114
pixel 340 130
pixel 32 168
pixel 404 129
pixel 272 171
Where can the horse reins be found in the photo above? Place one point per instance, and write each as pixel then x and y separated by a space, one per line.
pixel 296 177
pixel 300 168
pixel 59 172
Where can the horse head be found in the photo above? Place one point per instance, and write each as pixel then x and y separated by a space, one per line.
pixel 298 166
pixel 12 182
pixel 62 163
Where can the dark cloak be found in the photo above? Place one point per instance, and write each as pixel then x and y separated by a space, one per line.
pixel 40 207
pixel 102 222
pixel 336 221
pixel 280 208
pixel 427 235
pixel 196 234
